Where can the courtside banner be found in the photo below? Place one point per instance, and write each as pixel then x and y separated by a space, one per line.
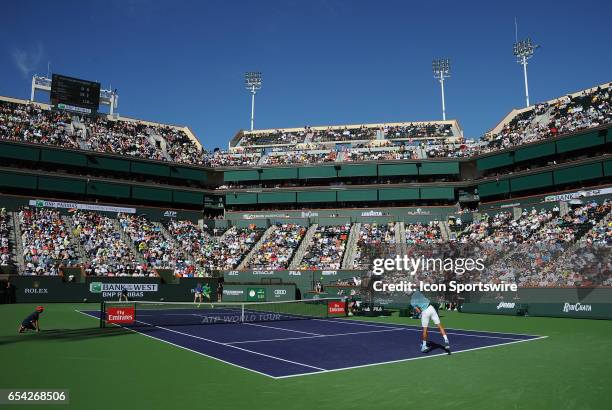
pixel 336 308
pixel 120 315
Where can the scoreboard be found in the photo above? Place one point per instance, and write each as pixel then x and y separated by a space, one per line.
pixel 76 94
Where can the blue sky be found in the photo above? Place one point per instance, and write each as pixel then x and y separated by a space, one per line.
pixel 323 61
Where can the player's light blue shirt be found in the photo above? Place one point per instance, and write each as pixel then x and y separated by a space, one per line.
pixel 419 300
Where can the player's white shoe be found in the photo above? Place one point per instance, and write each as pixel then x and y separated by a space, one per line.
pixel 424 349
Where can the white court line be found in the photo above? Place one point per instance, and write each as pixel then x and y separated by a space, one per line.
pixel 409 359
pixel 417 327
pixel 313 337
pixel 182 347
pixel 282 328
pixel 386 329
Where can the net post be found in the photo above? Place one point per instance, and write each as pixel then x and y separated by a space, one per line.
pixel 102 313
pixel 242 314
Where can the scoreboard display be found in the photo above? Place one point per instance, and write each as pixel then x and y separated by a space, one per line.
pixel 69 92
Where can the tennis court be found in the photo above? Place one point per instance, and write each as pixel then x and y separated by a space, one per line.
pixel 279 347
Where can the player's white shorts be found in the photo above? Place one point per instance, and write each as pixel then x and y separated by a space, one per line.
pixel 429 314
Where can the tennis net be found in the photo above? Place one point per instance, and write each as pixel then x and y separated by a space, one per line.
pixel 148 313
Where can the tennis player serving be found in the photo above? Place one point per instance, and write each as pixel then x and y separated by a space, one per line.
pixel 422 305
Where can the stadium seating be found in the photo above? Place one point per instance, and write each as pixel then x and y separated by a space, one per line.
pixel 327 247
pixel 586 109
pixel 107 253
pixel 375 241
pixel 276 251
pixel 46 242
pixel 226 252
pixel 5 230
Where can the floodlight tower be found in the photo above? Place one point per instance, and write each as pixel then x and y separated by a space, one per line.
pixel 252 82
pixel 441 70
pixel 523 51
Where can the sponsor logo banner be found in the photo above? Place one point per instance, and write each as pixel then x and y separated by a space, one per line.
pixel 39 203
pixel 112 290
pixel 578 194
pixel 123 315
pixel 233 292
pixel 256 294
pixel 278 293
pixel 506 305
pixel 336 308
pixel 576 307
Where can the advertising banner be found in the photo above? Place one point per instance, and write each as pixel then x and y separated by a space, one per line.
pixel 336 308
pixel 120 315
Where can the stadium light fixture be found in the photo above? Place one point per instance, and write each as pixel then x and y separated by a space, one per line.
pixel 441 70
pixel 523 50
pixel 252 82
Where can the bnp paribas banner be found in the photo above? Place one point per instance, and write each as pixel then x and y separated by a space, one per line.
pixel 41 203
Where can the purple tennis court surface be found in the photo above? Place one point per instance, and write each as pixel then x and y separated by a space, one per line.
pixel 300 347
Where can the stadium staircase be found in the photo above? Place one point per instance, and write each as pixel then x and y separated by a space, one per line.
pixel 444 230
pixel 245 262
pixel 301 250
pixel 308 137
pixel 420 153
pixel 16 241
pixel 167 235
pixel 128 241
pixel 400 243
pixel 74 240
pixel 80 130
pixel 262 160
pixel 351 245
pixel 563 208
pixel 158 141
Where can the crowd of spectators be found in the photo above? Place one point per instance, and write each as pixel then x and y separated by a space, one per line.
pixel 327 247
pixel 46 241
pixel 276 251
pixel 227 251
pixel 179 147
pixel 418 131
pixel 157 251
pixel 374 241
pixel 571 113
pixel 278 137
pixel 418 233
pixel 30 123
pixel 379 155
pixel 300 157
pixel 121 137
pixel 5 231
pixel 191 240
pixel 107 253
pixel 344 134
pixel 226 159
